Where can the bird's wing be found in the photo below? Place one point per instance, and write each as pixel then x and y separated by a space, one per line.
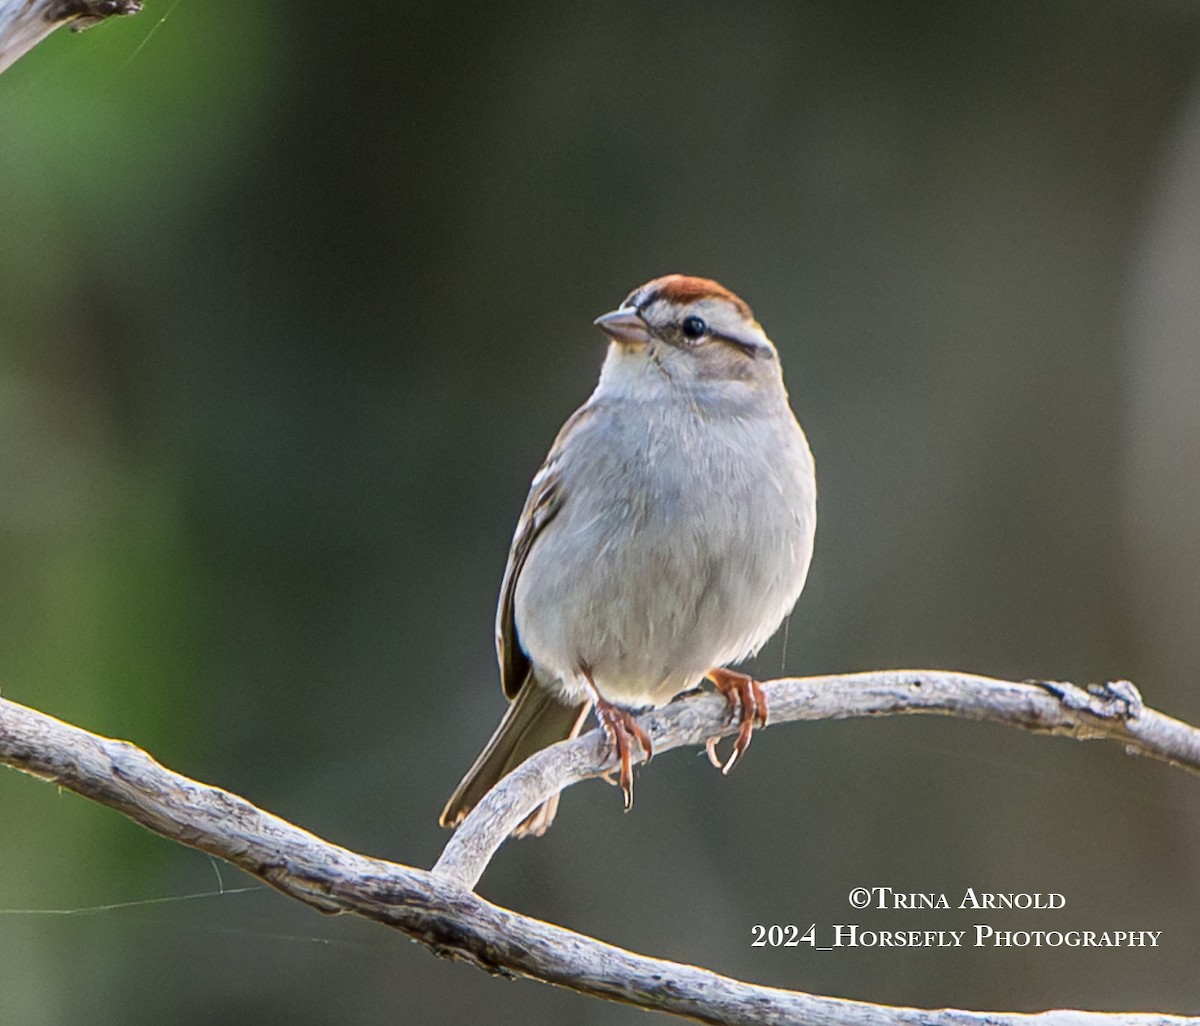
pixel 544 501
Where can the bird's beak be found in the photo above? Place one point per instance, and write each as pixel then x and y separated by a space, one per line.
pixel 625 327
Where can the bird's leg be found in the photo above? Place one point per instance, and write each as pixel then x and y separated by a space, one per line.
pixel 742 692
pixel 618 724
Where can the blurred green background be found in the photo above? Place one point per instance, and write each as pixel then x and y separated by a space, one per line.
pixel 292 303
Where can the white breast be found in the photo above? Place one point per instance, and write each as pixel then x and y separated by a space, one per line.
pixel 677 549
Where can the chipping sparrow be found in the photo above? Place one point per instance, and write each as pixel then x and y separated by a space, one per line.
pixel 667 535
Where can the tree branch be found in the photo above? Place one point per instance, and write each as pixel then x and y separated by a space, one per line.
pixel 1103 711
pixel 25 23
pixel 438 908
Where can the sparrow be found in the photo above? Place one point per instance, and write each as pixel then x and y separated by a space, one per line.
pixel 665 538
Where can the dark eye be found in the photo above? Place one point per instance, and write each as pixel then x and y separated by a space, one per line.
pixel 694 327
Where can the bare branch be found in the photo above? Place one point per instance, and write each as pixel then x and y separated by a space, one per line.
pixel 1104 711
pixel 439 910
pixel 25 23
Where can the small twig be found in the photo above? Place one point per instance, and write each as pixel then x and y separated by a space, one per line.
pixel 438 910
pixel 25 23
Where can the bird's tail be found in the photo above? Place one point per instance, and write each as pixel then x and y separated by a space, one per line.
pixel 534 720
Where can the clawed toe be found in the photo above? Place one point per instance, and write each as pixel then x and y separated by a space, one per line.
pixel 619 724
pixel 742 693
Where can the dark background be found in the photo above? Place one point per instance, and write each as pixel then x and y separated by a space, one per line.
pixel 292 303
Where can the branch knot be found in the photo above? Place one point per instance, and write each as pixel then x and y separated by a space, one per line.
pixel 1113 700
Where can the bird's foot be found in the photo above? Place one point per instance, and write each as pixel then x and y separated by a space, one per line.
pixel 742 692
pixel 619 724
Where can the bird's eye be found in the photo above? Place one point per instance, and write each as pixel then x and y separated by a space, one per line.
pixel 694 327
